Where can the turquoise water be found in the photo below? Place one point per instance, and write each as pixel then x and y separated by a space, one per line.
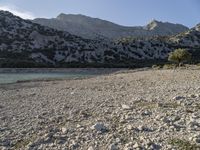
pixel 16 77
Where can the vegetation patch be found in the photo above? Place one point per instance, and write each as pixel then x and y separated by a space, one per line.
pixel 24 142
pixel 169 105
pixel 183 144
pixel 147 105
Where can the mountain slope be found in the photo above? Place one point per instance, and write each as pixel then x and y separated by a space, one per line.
pixel 22 39
pixel 27 44
pixel 159 47
pixel 92 28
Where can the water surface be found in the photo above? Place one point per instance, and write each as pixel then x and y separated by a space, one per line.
pixel 16 77
pixel 13 75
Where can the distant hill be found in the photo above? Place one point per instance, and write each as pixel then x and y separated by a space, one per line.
pixel 93 28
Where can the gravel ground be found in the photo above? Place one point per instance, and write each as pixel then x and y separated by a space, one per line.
pixel 152 109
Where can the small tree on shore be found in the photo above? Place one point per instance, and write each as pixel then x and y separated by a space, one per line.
pixel 179 56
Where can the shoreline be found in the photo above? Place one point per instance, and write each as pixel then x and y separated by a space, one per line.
pixel 66 74
pixel 130 109
pixel 55 70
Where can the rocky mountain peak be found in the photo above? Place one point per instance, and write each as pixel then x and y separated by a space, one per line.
pixel 153 24
pixel 197 27
pixel 165 27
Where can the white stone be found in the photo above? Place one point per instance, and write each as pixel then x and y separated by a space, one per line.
pixel 136 145
pixel 64 130
pixel 129 127
pixel 91 148
pixel 118 140
pixel 125 107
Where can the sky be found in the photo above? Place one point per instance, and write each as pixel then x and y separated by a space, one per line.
pixel 123 12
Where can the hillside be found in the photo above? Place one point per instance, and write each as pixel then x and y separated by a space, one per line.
pixel 159 47
pixel 23 40
pixel 93 28
pixel 27 44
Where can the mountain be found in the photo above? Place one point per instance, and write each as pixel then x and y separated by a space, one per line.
pixel 159 47
pixel 27 44
pixel 190 38
pixel 23 41
pixel 93 28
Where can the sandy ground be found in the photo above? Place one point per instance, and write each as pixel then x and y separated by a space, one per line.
pixel 152 109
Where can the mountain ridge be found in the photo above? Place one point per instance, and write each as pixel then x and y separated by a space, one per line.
pixel 88 27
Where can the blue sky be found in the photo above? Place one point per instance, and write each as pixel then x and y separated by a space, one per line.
pixel 124 12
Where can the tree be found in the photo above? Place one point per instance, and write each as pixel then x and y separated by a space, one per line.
pixel 179 56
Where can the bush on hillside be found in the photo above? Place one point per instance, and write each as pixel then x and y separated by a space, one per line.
pixel 179 56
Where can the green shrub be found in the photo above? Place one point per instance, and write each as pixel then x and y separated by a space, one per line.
pixel 179 56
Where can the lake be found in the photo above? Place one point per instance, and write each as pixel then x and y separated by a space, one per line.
pixel 16 75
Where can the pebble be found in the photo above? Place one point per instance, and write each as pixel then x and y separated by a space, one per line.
pixel 113 147
pixel 64 130
pixel 99 127
pixel 195 138
pixel 136 145
pixel 74 145
pixel 178 98
pixel 125 107
pixel 91 148
pixel 146 113
pixel 72 93
pixel 144 129
pixel 193 95
pixel 129 127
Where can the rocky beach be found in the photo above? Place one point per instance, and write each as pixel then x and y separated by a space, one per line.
pixel 127 110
